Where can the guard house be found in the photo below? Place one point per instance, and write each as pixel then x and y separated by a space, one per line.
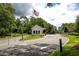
pixel 37 30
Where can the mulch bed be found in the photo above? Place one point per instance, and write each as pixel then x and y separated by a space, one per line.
pixel 76 46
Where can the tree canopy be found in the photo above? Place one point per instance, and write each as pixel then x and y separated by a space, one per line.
pixel 29 23
pixel 77 24
pixel 8 23
pixel 67 27
pixel 7 18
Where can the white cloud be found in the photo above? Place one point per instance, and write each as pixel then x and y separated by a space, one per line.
pixel 63 13
pixel 58 14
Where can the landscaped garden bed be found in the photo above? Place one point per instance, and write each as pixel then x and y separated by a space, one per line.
pixel 30 37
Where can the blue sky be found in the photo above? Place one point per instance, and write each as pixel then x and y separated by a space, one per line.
pixel 54 13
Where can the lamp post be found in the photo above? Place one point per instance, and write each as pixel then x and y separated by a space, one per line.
pixel 22 31
pixel 21 28
pixel 10 34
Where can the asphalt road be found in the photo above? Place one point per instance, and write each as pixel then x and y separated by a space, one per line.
pixel 48 39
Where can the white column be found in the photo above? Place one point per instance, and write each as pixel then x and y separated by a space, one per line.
pixel 32 31
pixel 40 31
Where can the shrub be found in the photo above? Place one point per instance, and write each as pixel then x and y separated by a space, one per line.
pixel 4 32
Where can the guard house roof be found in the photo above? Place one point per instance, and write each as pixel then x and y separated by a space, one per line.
pixel 36 27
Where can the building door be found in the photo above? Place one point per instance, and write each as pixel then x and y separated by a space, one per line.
pixel 33 32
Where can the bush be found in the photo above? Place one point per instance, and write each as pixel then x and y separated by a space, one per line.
pixel 74 34
pixel 4 32
pixel 76 46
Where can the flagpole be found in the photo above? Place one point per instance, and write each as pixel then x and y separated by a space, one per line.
pixel 33 13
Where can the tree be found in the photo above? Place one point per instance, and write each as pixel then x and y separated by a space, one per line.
pixel 41 22
pixel 6 19
pixel 29 23
pixel 77 24
pixel 67 27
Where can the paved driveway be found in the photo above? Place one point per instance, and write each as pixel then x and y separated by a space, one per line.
pixel 48 39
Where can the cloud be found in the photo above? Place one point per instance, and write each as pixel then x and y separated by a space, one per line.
pixel 73 6
pixel 57 14
pixel 52 4
pixel 22 9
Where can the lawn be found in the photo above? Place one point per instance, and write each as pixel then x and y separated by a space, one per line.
pixel 73 39
pixel 30 37
pixel 68 49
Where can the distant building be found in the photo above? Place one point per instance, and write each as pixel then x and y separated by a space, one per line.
pixel 37 30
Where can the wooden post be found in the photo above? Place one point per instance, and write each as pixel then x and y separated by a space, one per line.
pixel 61 48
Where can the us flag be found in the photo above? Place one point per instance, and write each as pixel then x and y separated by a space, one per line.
pixel 36 13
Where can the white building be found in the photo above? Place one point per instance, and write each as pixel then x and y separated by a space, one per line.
pixel 37 30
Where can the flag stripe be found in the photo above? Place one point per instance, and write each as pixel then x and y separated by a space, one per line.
pixel 35 13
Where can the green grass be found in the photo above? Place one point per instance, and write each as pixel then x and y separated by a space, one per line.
pixel 72 40
pixel 15 34
pixel 68 49
pixel 30 37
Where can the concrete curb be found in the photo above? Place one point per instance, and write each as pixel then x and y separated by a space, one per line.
pixel 66 42
pixel 63 45
pixel 22 42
